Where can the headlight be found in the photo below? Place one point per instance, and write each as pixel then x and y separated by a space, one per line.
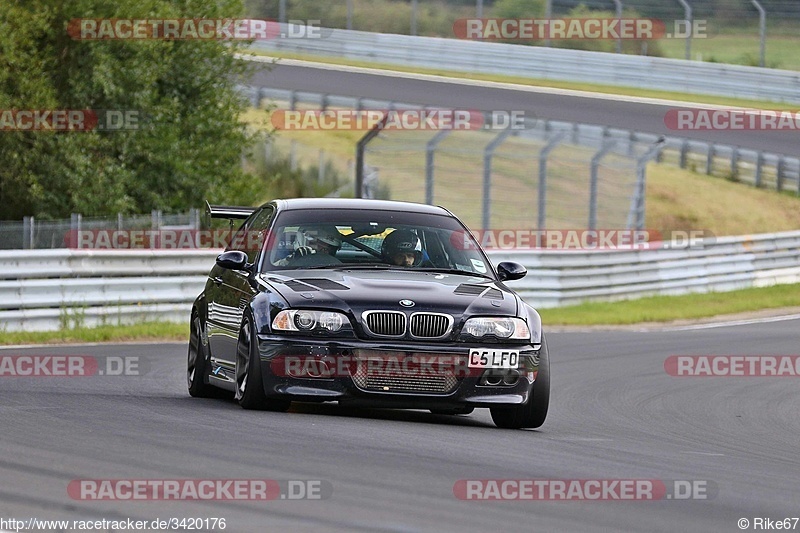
pixel 305 320
pixel 500 327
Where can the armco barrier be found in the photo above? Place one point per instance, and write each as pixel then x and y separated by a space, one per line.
pixel 43 290
pixel 644 72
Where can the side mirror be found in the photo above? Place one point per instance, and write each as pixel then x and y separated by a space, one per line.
pixel 233 260
pixel 509 271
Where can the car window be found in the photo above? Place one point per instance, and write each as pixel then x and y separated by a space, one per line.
pixel 320 238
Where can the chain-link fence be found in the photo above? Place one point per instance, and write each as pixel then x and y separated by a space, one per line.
pixel 528 178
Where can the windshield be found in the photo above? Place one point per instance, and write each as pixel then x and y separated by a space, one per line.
pixel 325 238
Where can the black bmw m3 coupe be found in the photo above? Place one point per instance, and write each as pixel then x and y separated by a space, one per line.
pixel 388 304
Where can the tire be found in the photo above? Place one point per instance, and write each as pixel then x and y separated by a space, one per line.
pixel 249 383
pixel 533 413
pixel 197 362
pixel 457 411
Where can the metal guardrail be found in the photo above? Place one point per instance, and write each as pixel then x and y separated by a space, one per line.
pixel 643 72
pixel 48 289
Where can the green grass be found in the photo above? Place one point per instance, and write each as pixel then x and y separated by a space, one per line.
pixel 137 332
pixel 740 49
pixel 669 308
pixel 534 82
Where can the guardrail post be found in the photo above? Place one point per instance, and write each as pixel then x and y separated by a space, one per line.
pixel 414 7
pixel 762 31
pixel 361 147
pixel 575 132
pixel 488 152
pixel 479 9
pixel 593 182
pixel 323 101
pixel 282 11
pixel 292 100
pixel 637 209
pixel 321 167
pixel 779 173
pixel 710 159
pixel 684 150
pixel 544 153
pixel 687 13
pixel 734 162
pixel 759 163
pixel 430 150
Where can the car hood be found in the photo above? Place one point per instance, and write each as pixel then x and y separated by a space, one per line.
pixel 361 290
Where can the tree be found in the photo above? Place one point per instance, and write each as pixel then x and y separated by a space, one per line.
pixel 190 139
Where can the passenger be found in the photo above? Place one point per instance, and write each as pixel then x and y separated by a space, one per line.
pixel 324 241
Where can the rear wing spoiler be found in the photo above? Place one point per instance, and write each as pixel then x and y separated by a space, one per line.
pixel 229 212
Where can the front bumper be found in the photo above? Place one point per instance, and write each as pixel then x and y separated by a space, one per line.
pixel 422 376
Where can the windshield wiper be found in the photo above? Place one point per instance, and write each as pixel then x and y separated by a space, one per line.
pixel 454 271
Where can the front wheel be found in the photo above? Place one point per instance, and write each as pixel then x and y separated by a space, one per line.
pixel 249 384
pixel 533 413
pixel 197 363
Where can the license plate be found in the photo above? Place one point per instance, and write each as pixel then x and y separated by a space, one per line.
pixel 487 358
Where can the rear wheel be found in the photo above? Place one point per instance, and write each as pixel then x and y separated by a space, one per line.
pixel 249 383
pixel 533 413
pixel 197 363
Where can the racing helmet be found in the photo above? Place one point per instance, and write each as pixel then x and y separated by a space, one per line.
pixel 401 241
pixel 326 234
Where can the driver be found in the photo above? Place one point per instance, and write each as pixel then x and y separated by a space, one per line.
pixel 324 241
pixel 402 248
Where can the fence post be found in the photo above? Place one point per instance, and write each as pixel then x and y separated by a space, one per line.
pixel 430 150
pixel 361 147
pixel 548 14
pixel 618 3
pixel 762 31
pixel 27 233
pixel 687 13
pixel 488 152
pixel 349 14
pixel 637 209
pixel 593 182
pixel 414 17
pixel 544 153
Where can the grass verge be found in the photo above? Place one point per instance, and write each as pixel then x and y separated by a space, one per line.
pixel 670 308
pixel 136 332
